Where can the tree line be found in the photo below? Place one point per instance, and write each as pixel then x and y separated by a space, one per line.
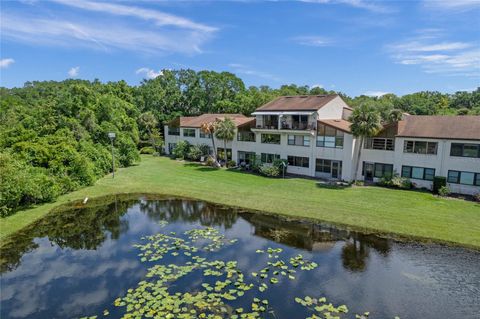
pixel 53 135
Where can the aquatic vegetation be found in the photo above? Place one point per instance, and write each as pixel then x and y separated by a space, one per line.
pixel 161 293
pixel 322 310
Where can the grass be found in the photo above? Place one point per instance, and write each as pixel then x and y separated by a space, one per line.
pixel 405 213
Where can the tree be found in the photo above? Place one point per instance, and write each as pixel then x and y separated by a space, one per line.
pixel 365 123
pixel 209 128
pixel 394 116
pixel 225 130
pixel 156 140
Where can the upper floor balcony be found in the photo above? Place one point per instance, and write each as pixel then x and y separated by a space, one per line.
pixel 286 122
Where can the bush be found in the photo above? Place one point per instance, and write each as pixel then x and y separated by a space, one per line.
pixel 205 149
pixel 396 181
pixel 269 170
pixel 211 162
pixel 194 153
pixel 231 163
pixel 476 197
pixel 147 150
pixel 439 182
pixel 444 191
pixel 181 149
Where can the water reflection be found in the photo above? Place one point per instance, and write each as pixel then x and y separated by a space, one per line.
pixel 86 227
pixel 78 260
pixel 320 237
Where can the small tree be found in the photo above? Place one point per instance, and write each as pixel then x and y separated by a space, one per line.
pixel 365 123
pixel 156 140
pixel 225 130
pixel 209 128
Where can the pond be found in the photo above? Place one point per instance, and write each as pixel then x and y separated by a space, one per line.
pixel 150 256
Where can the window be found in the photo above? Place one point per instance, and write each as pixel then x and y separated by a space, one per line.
pixel 298 161
pixel 466 178
pixel 383 170
pixel 301 140
pixel 375 143
pixel 246 157
pixel 189 132
pixel 221 154
pixel 271 138
pixel 173 131
pixel 205 135
pixel 418 173
pixel 465 150
pixel 269 158
pixel 419 147
pixel 328 136
pixel 245 136
pixel 270 122
pixel 171 146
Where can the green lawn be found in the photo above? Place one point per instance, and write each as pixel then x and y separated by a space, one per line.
pixel 392 211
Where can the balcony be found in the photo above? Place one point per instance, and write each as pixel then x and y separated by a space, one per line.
pixel 286 122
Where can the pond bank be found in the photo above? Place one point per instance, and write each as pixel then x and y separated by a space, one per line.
pixel 371 209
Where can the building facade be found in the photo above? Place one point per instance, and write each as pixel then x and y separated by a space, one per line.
pixel 313 134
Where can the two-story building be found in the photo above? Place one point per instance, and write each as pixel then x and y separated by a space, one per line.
pixel 313 134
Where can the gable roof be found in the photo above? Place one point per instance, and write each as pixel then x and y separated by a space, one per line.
pixel 297 103
pixel 465 127
pixel 340 124
pixel 197 121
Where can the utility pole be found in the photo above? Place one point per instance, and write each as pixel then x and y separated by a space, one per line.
pixel 111 135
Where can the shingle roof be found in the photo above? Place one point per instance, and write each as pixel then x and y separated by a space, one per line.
pixel 444 127
pixel 297 103
pixel 340 124
pixel 197 121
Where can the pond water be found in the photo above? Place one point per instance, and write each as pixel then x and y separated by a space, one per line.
pixel 77 262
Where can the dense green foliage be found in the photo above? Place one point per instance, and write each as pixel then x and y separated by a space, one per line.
pixel 53 135
pixel 54 138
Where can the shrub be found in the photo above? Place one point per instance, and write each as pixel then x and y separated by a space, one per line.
pixel 231 163
pixel 205 149
pixel 269 170
pixel 396 181
pixel 476 197
pixel 439 182
pixel 147 150
pixel 181 149
pixel 444 191
pixel 211 162
pixel 194 153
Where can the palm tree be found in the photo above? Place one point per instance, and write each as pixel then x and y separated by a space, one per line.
pixel 394 116
pixel 365 123
pixel 225 130
pixel 209 128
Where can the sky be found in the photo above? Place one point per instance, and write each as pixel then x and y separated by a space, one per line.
pixel 353 46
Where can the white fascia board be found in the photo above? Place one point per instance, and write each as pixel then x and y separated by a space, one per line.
pixel 283 113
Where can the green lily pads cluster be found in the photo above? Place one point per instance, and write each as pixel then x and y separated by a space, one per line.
pixel 222 282
pixel 322 310
pixel 277 268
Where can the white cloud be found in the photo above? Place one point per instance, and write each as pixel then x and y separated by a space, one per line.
pixel 158 33
pixel 316 86
pixel 452 4
pixel 435 55
pixel 149 73
pixel 244 69
pixel 5 63
pixel 73 72
pixel 160 18
pixel 360 4
pixel 375 93
pixel 312 40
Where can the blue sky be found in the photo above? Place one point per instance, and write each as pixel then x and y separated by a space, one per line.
pixel 353 46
